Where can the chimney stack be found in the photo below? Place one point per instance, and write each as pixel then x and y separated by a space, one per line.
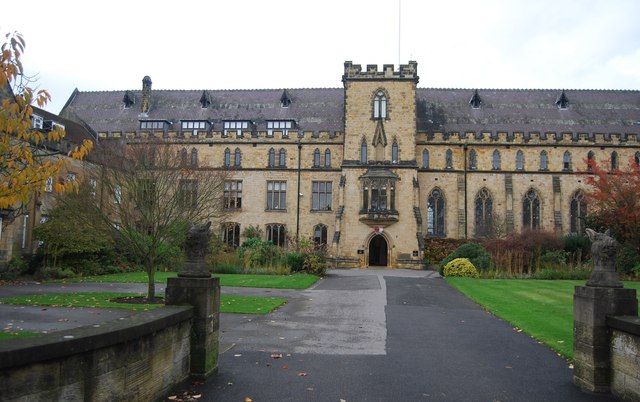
pixel 146 94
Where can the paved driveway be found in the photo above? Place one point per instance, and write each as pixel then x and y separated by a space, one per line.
pixel 374 335
pixel 357 335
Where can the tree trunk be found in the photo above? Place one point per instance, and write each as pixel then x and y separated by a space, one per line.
pixel 151 273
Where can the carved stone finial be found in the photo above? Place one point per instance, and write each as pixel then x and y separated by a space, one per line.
pixel 603 254
pixel 196 247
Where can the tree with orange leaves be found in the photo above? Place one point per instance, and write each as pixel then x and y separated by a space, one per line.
pixel 613 200
pixel 27 159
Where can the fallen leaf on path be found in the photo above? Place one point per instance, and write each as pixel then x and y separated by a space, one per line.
pixel 276 355
pixel 310 389
pixel 247 399
pixel 172 398
pixel 302 374
pixel 285 367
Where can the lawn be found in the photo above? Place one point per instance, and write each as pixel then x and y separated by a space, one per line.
pixel 228 304
pixel 294 281
pixel 542 309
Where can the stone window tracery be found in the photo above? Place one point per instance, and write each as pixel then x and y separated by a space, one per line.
pixel 231 234
pixel 320 235
pixel 435 213
pixel 276 233
pixel 531 210
pixel 484 213
pixel 577 213
pixel 380 105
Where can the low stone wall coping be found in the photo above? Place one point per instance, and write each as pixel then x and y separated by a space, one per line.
pixel 23 351
pixel 629 324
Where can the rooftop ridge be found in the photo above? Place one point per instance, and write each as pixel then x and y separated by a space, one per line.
pixel 216 90
pixel 526 89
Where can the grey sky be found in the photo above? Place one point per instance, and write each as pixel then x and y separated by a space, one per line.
pixel 238 44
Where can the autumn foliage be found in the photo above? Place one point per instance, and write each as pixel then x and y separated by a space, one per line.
pixel 26 160
pixel 613 200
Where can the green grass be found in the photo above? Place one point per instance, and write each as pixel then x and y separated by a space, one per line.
pixel 228 304
pixel 541 308
pixel 17 334
pixel 294 281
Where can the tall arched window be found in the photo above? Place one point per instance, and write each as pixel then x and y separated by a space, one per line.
pixel 544 160
pixel 484 211
pixel 237 157
pixel 590 161
pixel 495 164
pixel 473 159
pixel 425 159
pixel 276 234
pixel 531 210
pixel 637 158
pixel 380 106
pixel 320 235
pixel 227 157
pixel 316 158
pixel 435 213
pixel 272 157
pixel 448 159
pixel 614 161
pixel 394 152
pixel 194 157
pixel 327 158
pixel 183 157
pixel 566 160
pixel 231 234
pixel 577 213
pixel 282 159
pixel 519 160
pixel 363 152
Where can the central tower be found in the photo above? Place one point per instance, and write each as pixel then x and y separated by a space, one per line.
pixel 379 221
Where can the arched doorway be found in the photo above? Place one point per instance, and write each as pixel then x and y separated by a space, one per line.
pixel 378 251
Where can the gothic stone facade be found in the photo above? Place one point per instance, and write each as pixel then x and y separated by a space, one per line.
pixel 372 168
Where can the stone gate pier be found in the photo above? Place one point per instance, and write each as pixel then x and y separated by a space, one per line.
pixel 598 309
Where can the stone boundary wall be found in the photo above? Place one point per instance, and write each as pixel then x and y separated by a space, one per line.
pixel 625 357
pixel 138 358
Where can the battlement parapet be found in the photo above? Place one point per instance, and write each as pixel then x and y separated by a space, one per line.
pixel 550 138
pixel 405 71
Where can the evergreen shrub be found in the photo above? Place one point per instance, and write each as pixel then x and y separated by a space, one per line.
pixel 477 254
pixel 462 267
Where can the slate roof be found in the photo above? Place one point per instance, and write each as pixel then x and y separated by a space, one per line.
pixel 311 109
pixel 75 132
pixel 448 110
pixel 528 110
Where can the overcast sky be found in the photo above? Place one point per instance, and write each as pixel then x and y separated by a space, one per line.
pixel 235 44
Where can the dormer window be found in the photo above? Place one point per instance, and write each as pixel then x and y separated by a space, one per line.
pixel 562 102
pixel 37 121
pixel 195 125
pixel 380 106
pixel 237 126
pixel 129 99
pixel 154 124
pixel 205 99
pixel 475 100
pixel 279 125
pixel 285 99
pixel 50 125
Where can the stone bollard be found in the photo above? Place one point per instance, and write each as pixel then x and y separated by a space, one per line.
pixel 194 286
pixel 603 296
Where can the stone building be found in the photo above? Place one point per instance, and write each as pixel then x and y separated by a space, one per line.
pixel 372 168
pixel 17 223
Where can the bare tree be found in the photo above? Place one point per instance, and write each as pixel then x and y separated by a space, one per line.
pixel 150 191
